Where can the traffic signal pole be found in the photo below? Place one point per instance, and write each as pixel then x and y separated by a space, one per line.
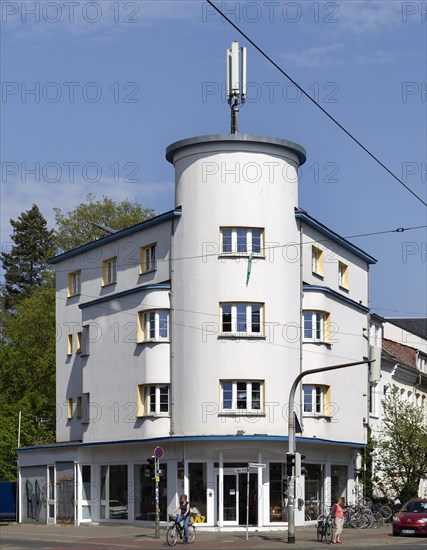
pixel 157 500
pixel 292 441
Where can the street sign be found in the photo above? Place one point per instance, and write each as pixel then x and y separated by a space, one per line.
pixel 159 452
pixel 240 470
pixel 255 465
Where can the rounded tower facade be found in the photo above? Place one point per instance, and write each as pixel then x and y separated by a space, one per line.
pixel 236 284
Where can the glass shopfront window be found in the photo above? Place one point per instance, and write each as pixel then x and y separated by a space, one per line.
pixel 314 491
pixel 197 488
pixel 339 478
pixel 278 492
pixel 144 493
pixel 114 492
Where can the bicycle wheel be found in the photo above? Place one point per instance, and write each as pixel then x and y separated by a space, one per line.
pixel 191 533
pixel 171 536
pixel 328 533
pixel 386 512
pixel 378 520
pixel 320 531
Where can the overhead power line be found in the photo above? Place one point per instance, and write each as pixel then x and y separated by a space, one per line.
pixel 324 111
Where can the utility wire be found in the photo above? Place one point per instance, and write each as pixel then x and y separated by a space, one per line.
pixel 264 248
pixel 308 96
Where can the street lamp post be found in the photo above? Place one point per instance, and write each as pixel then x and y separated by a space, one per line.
pixel 292 442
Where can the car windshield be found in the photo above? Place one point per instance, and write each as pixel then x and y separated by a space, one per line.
pixel 416 507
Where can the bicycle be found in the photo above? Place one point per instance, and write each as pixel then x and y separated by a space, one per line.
pixel 324 528
pixel 176 530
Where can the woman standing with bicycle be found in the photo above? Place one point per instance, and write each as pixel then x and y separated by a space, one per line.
pixel 338 515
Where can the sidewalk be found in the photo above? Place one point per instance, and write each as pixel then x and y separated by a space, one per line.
pixel 123 537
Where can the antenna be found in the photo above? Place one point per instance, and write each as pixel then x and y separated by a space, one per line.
pixel 236 81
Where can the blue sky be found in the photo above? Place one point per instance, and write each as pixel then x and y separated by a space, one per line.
pixel 116 82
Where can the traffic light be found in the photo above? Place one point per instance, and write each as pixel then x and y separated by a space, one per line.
pixel 290 464
pixel 152 464
pixel 300 469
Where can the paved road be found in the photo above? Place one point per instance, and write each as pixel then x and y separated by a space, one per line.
pixel 123 537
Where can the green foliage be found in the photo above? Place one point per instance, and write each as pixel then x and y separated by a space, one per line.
pixel 27 376
pixel 76 228
pixel 25 265
pixel 400 448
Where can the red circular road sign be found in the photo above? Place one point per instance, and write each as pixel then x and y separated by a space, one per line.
pixel 159 452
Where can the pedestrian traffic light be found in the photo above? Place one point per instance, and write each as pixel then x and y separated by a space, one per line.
pixel 300 468
pixel 290 464
pixel 152 464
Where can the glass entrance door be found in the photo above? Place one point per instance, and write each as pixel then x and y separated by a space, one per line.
pixel 231 499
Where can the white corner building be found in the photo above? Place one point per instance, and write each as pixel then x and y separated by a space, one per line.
pixel 187 331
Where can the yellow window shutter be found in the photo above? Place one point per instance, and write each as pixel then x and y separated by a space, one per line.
pixel 328 401
pixel 328 327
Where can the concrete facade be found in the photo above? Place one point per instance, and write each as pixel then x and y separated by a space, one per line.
pixel 198 352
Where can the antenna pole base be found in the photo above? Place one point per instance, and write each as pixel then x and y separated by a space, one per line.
pixel 234 118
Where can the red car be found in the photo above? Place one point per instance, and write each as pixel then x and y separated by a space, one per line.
pixel 412 519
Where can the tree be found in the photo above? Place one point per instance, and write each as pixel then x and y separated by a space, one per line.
pixel 76 228
pixel 25 265
pixel 400 455
pixel 27 376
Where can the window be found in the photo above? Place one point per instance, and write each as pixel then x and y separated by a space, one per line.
pixel 245 396
pixel 82 341
pixel 148 258
pixel 86 409
pixel 317 261
pixel 316 400
pixel 79 342
pixel 70 408
pixel 343 275
pixel 422 362
pixel 242 240
pixel 316 326
pixel 79 407
pixel 109 271
pixel 74 283
pixel 70 344
pixel 373 401
pixel 153 325
pixel 375 333
pixel 153 400
pixel 242 319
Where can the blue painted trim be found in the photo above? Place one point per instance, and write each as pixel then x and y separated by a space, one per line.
pixel 303 216
pixel 109 297
pixel 178 439
pixel 335 294
pixel 109 238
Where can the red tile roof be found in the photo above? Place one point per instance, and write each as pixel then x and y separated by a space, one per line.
pixel 403 354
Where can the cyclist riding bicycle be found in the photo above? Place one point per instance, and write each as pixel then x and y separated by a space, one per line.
pixel 184 514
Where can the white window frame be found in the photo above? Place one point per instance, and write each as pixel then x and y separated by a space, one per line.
pixel 234 409
pixel 317 261
pixel 422 362
pixel 109 271
pixel 342 275
pixel 234 241
pixel 237 309
pixel 317 317
pixel 74 283
pixel 151 325
pixel 373 399
pixel 148 258
pixel 319 404
pixel 146 407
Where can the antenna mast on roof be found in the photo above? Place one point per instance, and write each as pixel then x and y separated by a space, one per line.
pixel 236 81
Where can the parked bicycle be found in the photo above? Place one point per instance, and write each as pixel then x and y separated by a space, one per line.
pixel 176 531
pixel 324 528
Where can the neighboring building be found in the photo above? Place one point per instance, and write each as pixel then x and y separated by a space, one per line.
pixel 187 331
pixel 403 364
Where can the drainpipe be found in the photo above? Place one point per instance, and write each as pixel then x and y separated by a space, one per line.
pixel 171 332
